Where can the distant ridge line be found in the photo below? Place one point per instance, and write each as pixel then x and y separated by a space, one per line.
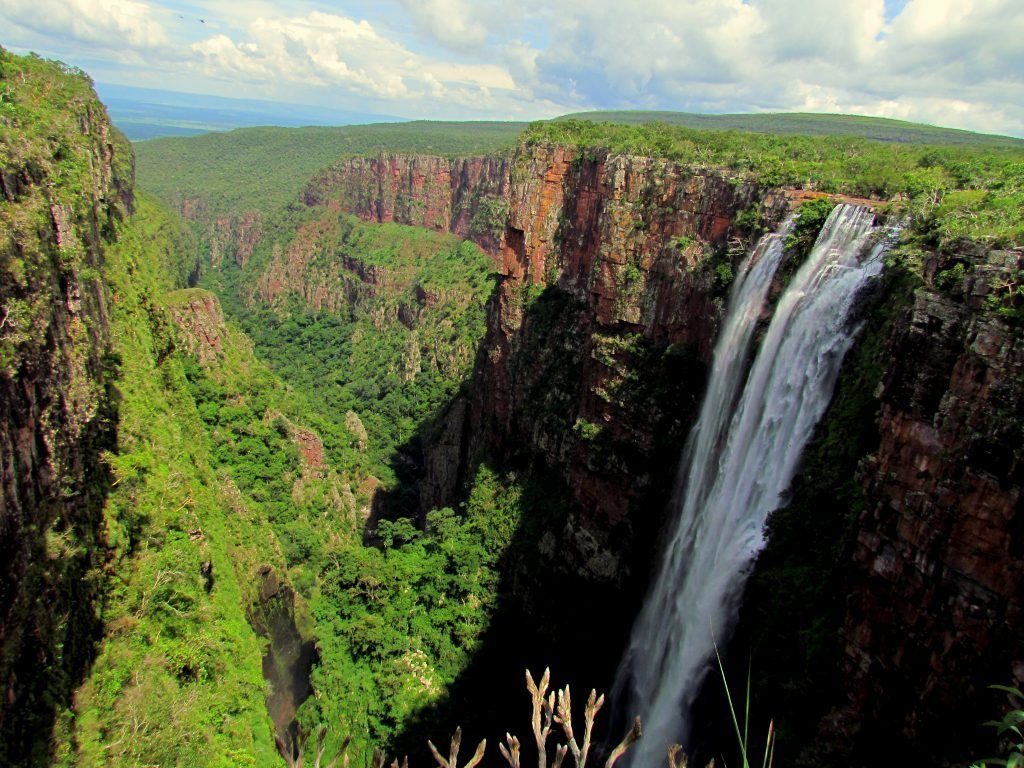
pixel 806 124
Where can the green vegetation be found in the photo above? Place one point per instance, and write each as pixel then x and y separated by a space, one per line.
pixel 811 217
pixel 952 192
pixel 587 430
pixel 390 335
pixel 743 736
pixel 399 623
pixel 178 679
pixel 1007 298
pixel 951 279
pixel 264 169
pixel 59 202
pixel 210 486
pixel 40 105
pixel 264 451
pixel 42 140
pixel 489 218
pixel 723 277
pixel 683 242
pixel 404 317
pixel 805 124
pixel 1009 730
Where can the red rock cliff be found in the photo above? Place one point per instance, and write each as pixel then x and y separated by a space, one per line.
pixel 593 365
pixel 607 279
pixel 465 196
pixel 937 594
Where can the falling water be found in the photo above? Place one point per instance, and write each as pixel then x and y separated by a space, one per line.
pixel 740 458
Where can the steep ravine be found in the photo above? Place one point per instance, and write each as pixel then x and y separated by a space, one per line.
pixel 597 339
pixel 168 521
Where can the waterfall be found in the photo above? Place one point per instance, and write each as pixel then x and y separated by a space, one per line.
pixel 740 458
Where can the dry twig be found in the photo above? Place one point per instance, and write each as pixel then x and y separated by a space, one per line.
pixel 453 755
pixel 677 762
pixel 563 717
pixel 623 746
pixel 511 751
pixel 543 712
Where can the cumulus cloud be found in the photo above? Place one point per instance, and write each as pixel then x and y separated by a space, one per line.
pixel 957 62
pixel 108 24
pixel 454 23
pixel 333 50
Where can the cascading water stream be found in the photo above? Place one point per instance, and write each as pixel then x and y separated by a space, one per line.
pixel 739 460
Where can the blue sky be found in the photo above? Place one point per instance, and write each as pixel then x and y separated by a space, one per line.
pixel 950 62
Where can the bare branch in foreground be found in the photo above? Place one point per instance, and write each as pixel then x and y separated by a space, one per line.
pixel 511 751
pixel 543 712
pixel 453 754
pixel 682 761
pixel 628 741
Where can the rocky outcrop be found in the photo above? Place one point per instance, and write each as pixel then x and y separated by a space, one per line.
pixel 64 190
pixel 290 655
pixel 308 267
pixel 234 237
pixel 200 321
pixel 318 481
pixel 464 196
pixel 601 326
pixel 936 600
pixel 600 332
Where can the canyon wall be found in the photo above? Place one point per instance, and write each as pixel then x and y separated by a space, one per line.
pixel 600 330
pixel 936 590
pixel 61 195
pixel 593 365
pixel 465 196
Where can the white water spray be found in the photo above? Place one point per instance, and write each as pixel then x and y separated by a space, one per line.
pixel 739 460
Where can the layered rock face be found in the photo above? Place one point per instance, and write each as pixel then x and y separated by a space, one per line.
pixel 61 196
pixel 600 333
pixel 233 237
pixel 593 365
pixel 465 196
pixel 937 588
pixel 601 327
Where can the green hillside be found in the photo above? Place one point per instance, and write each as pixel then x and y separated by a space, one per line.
pixel 804 124
pixel 263 169
pixel 955 192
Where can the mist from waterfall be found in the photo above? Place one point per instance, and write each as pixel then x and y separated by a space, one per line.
pixel 740 458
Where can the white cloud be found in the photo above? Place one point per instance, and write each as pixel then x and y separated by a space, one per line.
pixel 336 51
pixel 219 56
pixel 955 61
pixel 835 32
pixel 958 62
pixel 453 23
pixel 108 24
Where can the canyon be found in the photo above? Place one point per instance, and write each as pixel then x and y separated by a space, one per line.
pixel 605 315
pixel 180 520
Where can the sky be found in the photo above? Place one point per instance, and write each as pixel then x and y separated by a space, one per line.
pixel 958 63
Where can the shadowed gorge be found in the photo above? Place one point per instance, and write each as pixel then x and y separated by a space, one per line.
pixel 318 438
